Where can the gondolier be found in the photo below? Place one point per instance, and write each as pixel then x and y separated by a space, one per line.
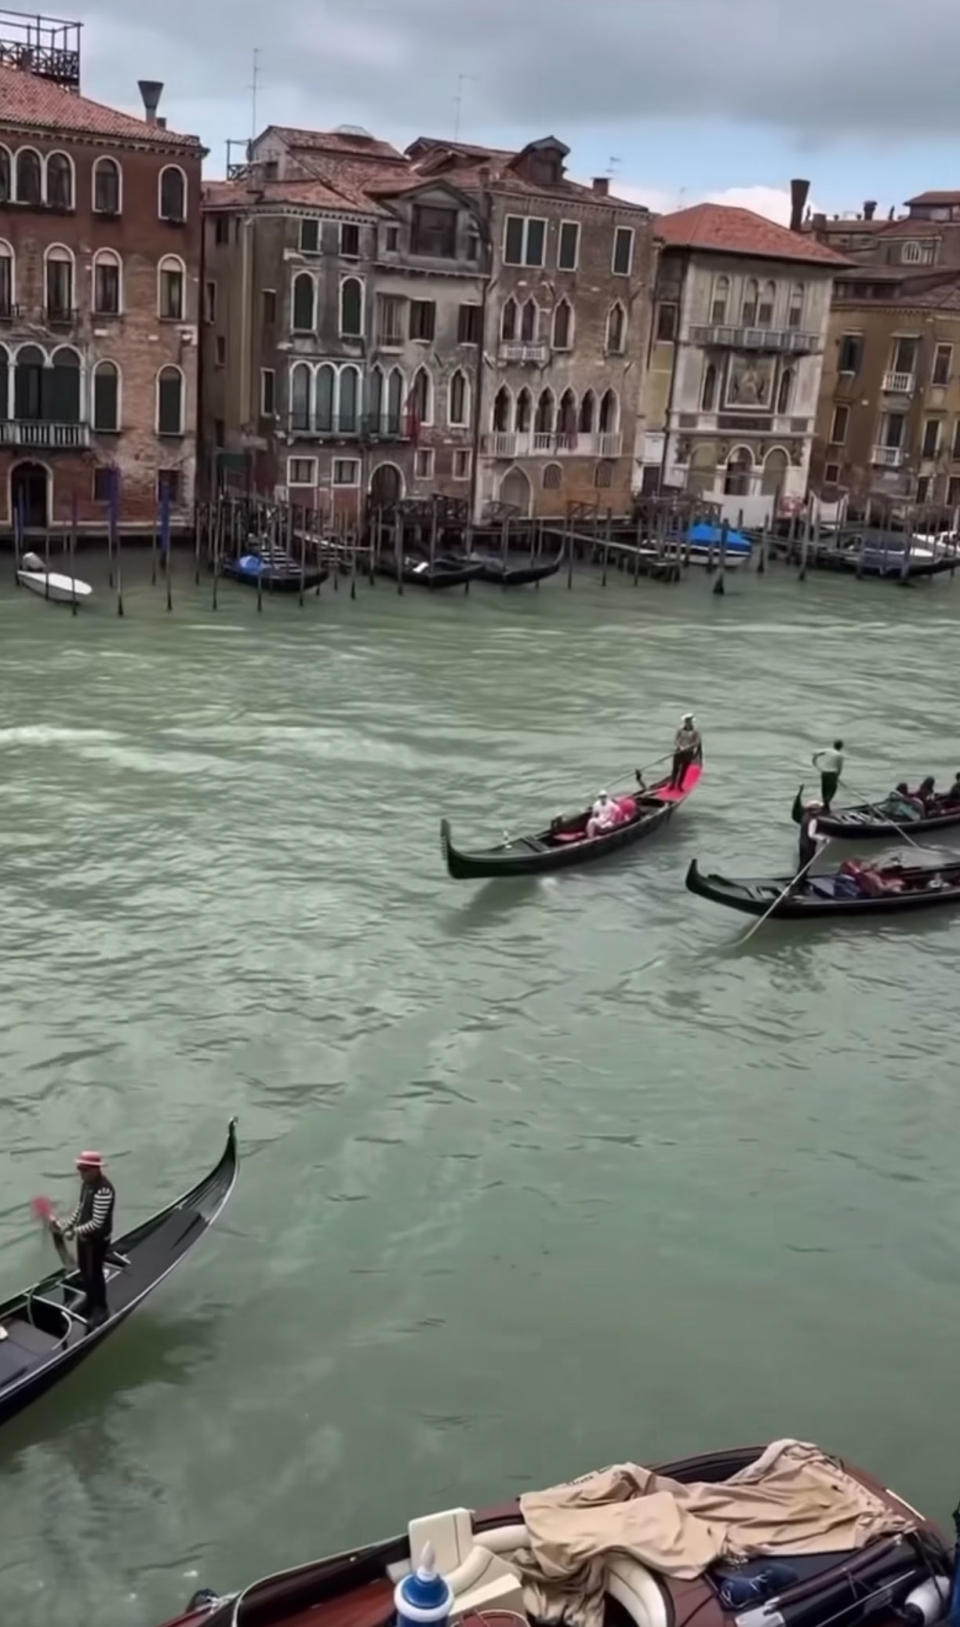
pixel 687 749
pixel 830 765
pixel 92 1225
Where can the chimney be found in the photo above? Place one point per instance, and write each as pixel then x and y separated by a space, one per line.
pixel 151 90
pixel 799 192
pixel 869 208
pixel 601 185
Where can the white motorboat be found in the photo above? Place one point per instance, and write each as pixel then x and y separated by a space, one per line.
pixel 54 585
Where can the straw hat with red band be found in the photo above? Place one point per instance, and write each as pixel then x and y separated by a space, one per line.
pixel 89 1160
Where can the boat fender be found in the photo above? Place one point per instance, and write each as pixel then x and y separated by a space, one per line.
pixel 925 1604
pixel 424 1598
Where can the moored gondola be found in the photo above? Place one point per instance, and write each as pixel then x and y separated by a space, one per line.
pixel 866 823
pixel 273 569
pixel 566 843
pixel 511 573
pixel 925 878
pixel 42 1338
pixel 792 1537
pixel 446 571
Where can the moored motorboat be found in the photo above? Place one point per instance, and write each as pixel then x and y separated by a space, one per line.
pixel 53 585
pixel 446 570
pixel 930 878
pixel 783 1537
pixel 512 573
pixel 565 843
pixel 274 569
pixel 42 1338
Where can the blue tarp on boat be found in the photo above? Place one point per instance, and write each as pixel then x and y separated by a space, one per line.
pixel 704 535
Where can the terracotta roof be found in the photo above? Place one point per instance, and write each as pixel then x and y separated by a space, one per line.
pixel 727 230
pixel 904 227
pixel 27 100
pixel 473 167
pixel 339 141
pixel 934 197
pixel 468 148
pixel 313 194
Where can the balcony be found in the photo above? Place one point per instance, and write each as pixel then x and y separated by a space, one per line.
pixel 49 436
pixel 898 383
pixel 524 443
pixel 887 457
pixel 793 341
pixel 524 350
pixel 386 426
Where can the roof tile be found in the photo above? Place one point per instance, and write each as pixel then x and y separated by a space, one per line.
pixel 26 99
pixel 728 230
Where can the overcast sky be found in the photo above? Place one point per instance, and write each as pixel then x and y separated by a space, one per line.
pixel 678 99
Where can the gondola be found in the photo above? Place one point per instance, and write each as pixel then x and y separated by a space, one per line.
pixel 274 569
pixel 447 570
pixel 507 573
pixel 566 842
pixel 864 823
pixel 41 1336
pixel 898 1563
pixel 931 880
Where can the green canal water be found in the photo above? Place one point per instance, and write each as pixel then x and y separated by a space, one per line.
pixel 533 1177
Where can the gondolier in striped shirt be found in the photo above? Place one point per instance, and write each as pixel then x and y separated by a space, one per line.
pixel 92 1225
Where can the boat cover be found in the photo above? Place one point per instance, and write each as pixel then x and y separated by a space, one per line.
pixel 705 535
pixel 793 1499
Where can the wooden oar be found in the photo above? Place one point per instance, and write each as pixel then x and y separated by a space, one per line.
pixel 788 888
pixel 43 1209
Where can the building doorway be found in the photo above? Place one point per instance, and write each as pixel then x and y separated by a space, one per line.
pixel 386 486
pixel 515 489
pixel 28 496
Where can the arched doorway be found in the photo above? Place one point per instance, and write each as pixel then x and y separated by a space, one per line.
pixel 775 468
pixel 386 486
pixel 515 489
pixel 28 495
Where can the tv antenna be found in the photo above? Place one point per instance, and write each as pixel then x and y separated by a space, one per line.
pixel 462 79
pixel 253 88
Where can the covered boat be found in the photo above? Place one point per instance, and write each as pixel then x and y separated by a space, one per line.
pixel 783 1537
pixel 565 842
pixel 512 573
pixel 910 878
pixel 447 570
pixel 707 538
pixel 274 569
pixel 53 585
pixel 42 1338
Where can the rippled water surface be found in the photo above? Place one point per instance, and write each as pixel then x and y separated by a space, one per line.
pixel 534 1176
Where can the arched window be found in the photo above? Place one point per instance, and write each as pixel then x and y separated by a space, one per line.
pixel 59 181
pixel 795 313
pixel 59 283
pixel 588 413
pixel 421 397
pixel 768 299
pixel 64 387
pixel 106 398
pixel 739 470
pixel 529 319
pixel 609 413
pixel 8 292
pixel 457 400
pixel 300 396
pixel 106 187
pixel 708 394
pixel 603 475
pixel 173 194
pixel 785 391
pixel 748 305
pixel 616 329
pixel 395 402
pixel 4 382
pixel 543 423
pixel 171 282
pixel 523 417
pixel 326 383
pixel 567 420
pixel 702 473
pixel 562 326
pixel 29 176
pixel 106 283
pixel 29 383
pixel 375 400
pixel 5 175
pixel 508 320
pixel 170 401
pixel 349 407
pixel 304 292
pixel 351 308
pixel 721 300
pixel 552 476
pixel 501 410
pixel 775 466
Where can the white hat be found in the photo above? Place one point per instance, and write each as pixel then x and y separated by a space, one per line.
pixel 688 717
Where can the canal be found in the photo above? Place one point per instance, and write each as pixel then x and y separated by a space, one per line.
pixel 533 1177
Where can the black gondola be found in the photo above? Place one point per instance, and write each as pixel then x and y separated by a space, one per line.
pixel 864 823
pixel 930 879
pixel 507 573
pixel 278 571
pixel 41 1336
pixel 447 570
pixel 566 842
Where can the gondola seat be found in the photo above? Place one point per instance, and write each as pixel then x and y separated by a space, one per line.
pixel 22 1347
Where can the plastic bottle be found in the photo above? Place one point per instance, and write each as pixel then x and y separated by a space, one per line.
pixel 424 1598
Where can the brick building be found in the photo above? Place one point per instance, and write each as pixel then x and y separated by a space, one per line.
pixel 99 282
pixel 450 319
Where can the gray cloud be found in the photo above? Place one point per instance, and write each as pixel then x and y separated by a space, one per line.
pixel 825 70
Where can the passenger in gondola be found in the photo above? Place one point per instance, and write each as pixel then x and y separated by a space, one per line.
pixel 927 793
pixel 951 796
pixel 902 803
pixel 687 749
pixel 92 1225
pixel 603 815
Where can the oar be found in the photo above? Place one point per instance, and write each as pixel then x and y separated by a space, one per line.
pixel 886 818
pixel 43 1209
pixel 781 896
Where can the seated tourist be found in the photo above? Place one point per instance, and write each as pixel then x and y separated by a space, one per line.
pixel 903 804
pixel 951 796
pixel 603 815
pixel 926 792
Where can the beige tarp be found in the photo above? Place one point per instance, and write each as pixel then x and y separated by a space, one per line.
pixel 791 1500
